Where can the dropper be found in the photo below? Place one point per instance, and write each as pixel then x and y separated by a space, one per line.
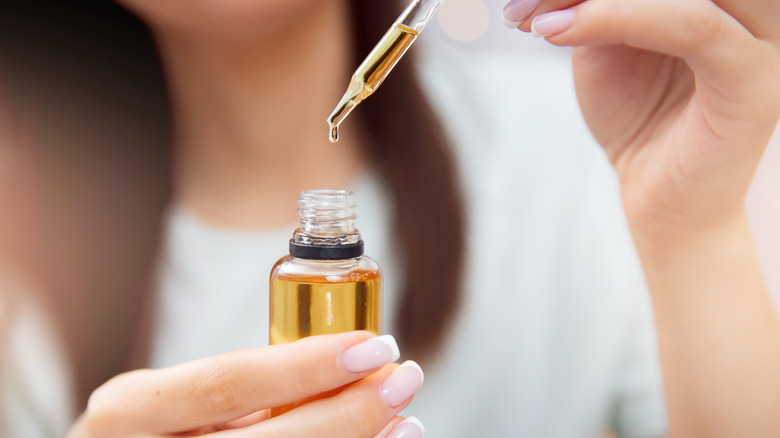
pixel 385 55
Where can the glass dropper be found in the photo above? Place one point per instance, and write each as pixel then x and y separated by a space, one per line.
pixel 385 55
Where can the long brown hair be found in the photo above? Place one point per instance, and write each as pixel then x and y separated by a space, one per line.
pixel 100 239
pixel 85 77
pixel 409 148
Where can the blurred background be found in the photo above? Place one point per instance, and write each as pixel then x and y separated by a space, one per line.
pixel 47 73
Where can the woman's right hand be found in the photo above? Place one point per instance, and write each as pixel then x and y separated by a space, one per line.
pixel 232 393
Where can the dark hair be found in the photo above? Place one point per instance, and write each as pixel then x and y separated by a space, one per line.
pixel 99 240
pixel 85 77
pixel 407 145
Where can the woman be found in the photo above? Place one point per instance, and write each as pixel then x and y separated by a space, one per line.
pixel 670 146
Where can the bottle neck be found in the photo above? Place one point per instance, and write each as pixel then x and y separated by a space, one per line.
pixel 327 228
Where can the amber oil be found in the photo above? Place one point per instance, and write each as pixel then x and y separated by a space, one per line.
pixel 372 72
pixel 348 298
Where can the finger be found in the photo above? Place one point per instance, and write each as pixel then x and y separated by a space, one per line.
pixel 520 13
pixel 361 410
pixel 242 422
pixel 714 44
pixel 247 420
pixel 223 388
pixel 760 17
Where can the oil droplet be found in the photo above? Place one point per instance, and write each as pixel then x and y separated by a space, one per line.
pixel 334 133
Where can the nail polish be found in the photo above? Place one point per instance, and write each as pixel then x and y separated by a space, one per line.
pixel 370 354
pixel 402 383
pixel 409 428
pixel 552 23
pixel 516 12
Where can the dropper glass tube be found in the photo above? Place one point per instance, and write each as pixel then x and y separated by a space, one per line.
pixel 385 55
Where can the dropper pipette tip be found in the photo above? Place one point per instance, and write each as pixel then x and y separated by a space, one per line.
pixel 348 102
pixel 334 133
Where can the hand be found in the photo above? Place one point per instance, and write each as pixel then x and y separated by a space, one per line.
pixel 683 96
pixel 233 392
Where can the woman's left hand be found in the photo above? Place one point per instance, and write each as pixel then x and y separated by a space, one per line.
pixel 684 96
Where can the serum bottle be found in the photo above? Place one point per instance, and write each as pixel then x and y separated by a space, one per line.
pixel 325 285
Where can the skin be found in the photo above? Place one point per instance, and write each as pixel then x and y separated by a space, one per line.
pixel 685 132
pixel 237 76
pixel 231 394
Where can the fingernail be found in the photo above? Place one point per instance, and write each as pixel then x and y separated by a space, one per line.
pixel 552 23
pixel 403 383
pixel 373 353
pixel 409 428
pixel 517 12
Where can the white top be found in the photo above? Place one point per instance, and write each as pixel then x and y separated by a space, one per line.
pixel 35 389
pixel 555 337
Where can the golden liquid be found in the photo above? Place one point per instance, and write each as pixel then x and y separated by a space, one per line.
pixel 317 305
pixel 306 306
pixel 372 72
pixel 377 65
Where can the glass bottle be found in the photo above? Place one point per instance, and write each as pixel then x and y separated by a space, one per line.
pixel 325 285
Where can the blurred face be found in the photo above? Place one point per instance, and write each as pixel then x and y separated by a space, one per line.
pixel 234 20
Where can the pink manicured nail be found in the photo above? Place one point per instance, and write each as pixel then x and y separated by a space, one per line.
pixel 553 23
pixel 370 354
pixel 409 428
pixel 517 12
pixel 402 384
